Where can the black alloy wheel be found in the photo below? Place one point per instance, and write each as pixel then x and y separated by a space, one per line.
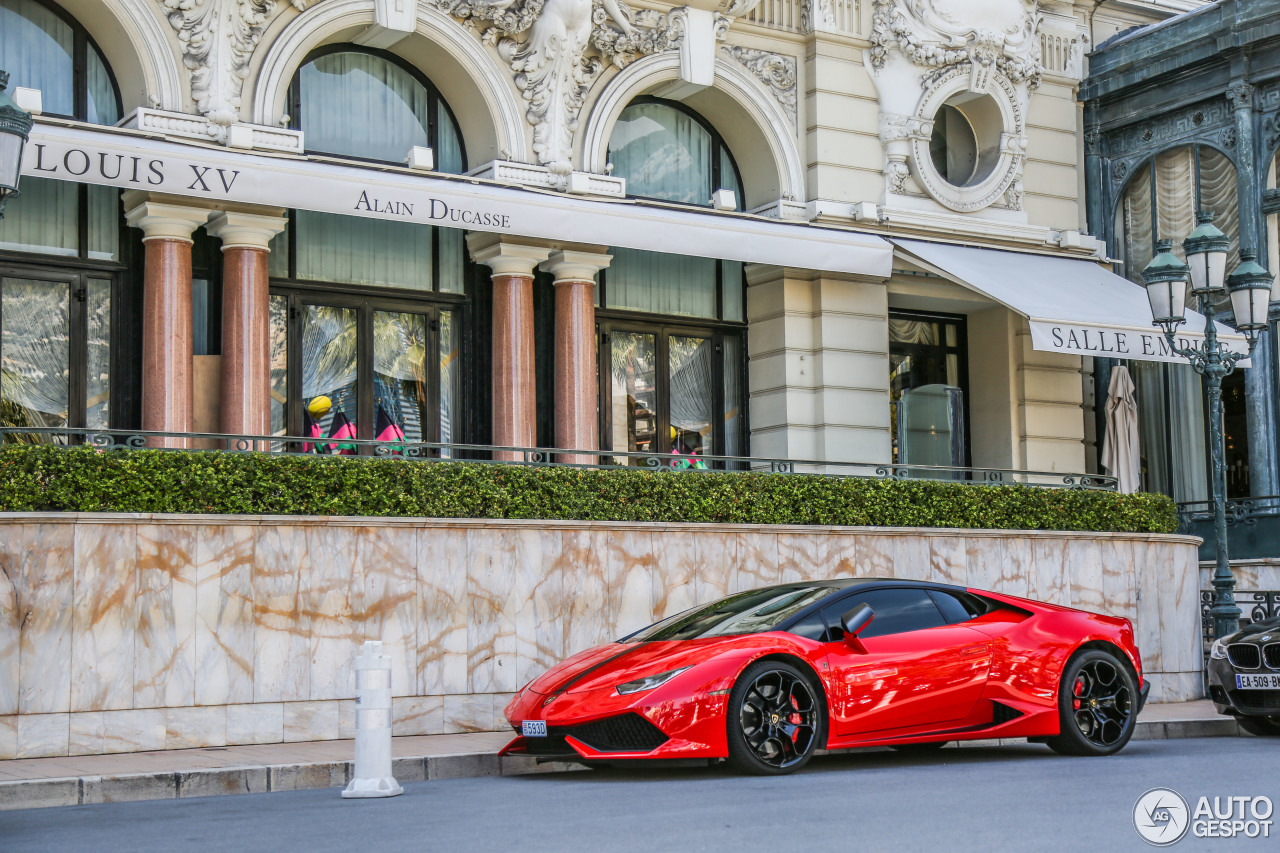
pixel 1261 726
pixel 1095 705
pixel 775 719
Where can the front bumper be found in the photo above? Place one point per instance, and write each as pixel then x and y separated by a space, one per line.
pixel 1230 700
pixel 600 725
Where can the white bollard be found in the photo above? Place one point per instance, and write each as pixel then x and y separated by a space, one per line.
pixel 373 726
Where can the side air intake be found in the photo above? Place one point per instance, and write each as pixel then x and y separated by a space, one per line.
pixel 1001 713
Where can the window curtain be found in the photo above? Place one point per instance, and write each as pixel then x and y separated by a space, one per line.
pixel 98 367
pixel 1219 193
pixel 450 379
pixel 354 250
pixel 102 95
pixel 663 153
pixel 279 311
pixel 36 49
pixel 34 352
pixel 1134 224
pixel 1175 196
pixel 661 284
pixel 43 219
pixel 362 105
pixel 1171 423
pixel 732 396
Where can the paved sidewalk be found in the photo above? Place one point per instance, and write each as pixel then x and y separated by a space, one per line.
pixel 168 774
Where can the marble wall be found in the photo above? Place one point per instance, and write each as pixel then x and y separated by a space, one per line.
pixel 137 632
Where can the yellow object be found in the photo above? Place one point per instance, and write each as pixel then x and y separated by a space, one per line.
pixel 319 406
pixel 674 433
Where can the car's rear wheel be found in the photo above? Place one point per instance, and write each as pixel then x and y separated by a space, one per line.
pixel 1261 726
pixel 1097 705
pixel 776 719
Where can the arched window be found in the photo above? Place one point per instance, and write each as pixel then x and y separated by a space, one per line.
pixel 1160 202
pixel 369 104
pixel 42 48
pixel 673 358
pixel 59 241
pixel 366 312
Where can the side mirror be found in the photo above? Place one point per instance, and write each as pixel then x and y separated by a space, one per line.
pixel 857 619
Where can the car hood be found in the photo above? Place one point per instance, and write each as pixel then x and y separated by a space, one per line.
pixel 1256 630
pixel 618 663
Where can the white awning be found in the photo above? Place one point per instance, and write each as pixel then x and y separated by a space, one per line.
pixel 214 174
pixel 1074 306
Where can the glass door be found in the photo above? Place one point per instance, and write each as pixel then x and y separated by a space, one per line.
pixel 364 369
pixel 669 389
pixel 55 353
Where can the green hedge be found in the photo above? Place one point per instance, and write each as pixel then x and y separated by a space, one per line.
pixel 45 478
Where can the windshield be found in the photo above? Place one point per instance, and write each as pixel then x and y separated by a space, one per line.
pixel 752 612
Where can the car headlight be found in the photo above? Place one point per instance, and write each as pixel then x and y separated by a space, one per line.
pixel 650 682
pixel 1218 651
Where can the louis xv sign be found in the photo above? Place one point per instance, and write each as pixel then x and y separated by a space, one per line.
pixel 221 177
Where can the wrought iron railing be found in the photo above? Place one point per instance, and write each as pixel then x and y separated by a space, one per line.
pixel 1253 526
pixel 107 439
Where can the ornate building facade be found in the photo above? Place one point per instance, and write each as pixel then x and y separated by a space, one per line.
pixel 1199 130
pixel 832 230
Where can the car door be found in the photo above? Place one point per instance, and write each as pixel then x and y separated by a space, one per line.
pixel 908 669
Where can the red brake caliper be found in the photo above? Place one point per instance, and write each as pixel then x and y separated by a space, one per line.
pixel 1076 691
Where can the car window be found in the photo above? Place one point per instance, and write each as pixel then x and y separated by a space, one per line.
pixel 955 608
pixel 812 627
pixel 897 611
pixel 753 612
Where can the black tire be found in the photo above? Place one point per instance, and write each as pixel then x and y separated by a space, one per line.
pixel 1097 705
pixel 776 719
pixel 920 748
pixel 1261 726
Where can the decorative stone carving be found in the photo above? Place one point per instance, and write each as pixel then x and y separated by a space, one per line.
pixel 777 73
pixel 925 53
pixel 991 35
pixel 218 38
pixel 1240 94
pixel 547 44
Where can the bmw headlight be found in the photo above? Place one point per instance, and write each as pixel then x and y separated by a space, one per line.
pixel 1218 651
pixel 650 682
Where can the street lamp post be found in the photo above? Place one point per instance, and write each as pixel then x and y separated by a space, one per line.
pixel 15 127
pixel 1250 289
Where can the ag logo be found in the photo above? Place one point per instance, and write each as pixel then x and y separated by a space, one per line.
pixel 1161 816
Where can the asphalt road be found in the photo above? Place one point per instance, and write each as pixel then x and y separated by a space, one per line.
pixel 1019 797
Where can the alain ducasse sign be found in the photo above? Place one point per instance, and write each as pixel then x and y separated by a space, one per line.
pixel 213 173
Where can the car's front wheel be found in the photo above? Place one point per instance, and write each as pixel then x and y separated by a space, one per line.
pixel 1261 726
pixel 1097 705
pixel 775 719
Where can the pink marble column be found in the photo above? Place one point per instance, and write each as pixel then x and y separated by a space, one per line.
pixel 576 393
pixel 166 312
pixel 514 391
pixel 514 388
pixel 246 319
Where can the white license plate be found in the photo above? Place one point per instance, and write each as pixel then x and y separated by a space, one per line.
pixel 1258 682
pixel 533 728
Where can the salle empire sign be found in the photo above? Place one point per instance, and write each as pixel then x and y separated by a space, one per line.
pixel 1117 343
pixel 219 180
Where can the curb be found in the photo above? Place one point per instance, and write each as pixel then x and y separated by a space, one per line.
pixel 87 790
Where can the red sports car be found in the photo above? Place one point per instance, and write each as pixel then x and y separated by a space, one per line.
pixel 765 678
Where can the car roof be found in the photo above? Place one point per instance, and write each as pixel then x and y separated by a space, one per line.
pixel 862 583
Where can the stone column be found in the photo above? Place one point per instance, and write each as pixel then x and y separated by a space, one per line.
pixel 514 386
pixel 1259 379
pixel 576 391
pixel 246 318
pixel 167 226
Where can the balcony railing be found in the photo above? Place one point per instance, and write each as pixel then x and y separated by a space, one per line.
pixel 803 16
pixel 108 440
pixel 1253 527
